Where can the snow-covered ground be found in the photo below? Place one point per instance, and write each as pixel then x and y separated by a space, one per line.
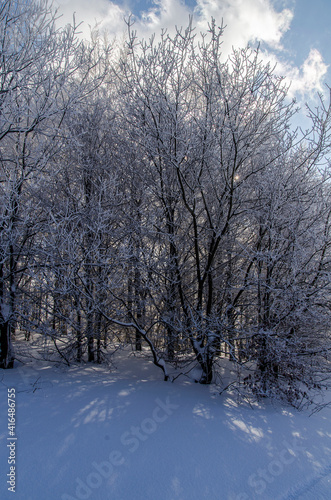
pixel 90 433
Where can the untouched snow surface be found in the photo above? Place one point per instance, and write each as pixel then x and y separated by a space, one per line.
pixel 88 433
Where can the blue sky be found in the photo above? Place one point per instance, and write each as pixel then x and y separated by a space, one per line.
pixel 295 34
pixel 310 29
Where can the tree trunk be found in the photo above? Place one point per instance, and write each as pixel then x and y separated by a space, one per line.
pixel 206 363
pixel 79 335
pixel 6 358
pixel 90 344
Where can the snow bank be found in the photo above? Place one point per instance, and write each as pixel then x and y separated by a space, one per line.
pixel 87 433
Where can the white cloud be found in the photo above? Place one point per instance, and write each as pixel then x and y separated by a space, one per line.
pixel 310 76
pixel 105 13
pixel 163 14
pixel 247 22
pixel 305 81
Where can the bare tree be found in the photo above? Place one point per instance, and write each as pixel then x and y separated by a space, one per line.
pixel 217 147
pixel 42 76
pixel 163 193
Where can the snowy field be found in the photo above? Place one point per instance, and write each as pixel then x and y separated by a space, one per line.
pixel 90 433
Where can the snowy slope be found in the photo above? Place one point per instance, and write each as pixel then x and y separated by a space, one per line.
pixel 88 433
